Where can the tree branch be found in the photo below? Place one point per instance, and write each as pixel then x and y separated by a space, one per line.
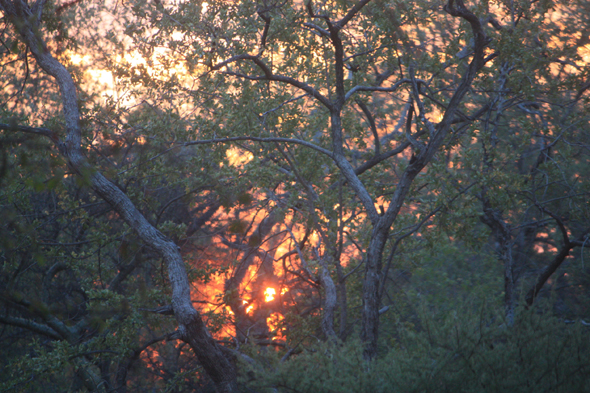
pixel 260 139
pixel 378 88
pixel 351 13
pixel 371 121
pixel 31 325
pixel 268 75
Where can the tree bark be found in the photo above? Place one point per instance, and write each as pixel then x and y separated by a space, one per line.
pixel 329 302
pixel 502 234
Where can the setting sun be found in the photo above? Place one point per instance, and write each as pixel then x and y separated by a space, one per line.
pixel 269 294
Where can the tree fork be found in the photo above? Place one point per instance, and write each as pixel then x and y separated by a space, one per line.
pixel 382 224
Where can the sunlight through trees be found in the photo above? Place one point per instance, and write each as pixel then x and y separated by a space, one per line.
pixel 289 195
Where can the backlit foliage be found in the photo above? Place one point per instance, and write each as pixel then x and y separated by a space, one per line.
pixel 237 167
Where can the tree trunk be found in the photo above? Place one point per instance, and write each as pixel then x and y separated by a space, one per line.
pixel 502 235
pixel 371 298
pixel 219 368
pixel 329 302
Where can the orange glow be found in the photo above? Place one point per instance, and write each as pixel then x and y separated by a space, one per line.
pixel 542 248
pixel 254 291
pixel 238 157
pixel 274 324
pixel 269 294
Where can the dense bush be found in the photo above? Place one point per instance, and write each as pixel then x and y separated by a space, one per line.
pixel 463 352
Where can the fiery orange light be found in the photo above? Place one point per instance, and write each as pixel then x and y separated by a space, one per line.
pixel 284 290
pixel 269 294
pixel 250 308
pixel 274 324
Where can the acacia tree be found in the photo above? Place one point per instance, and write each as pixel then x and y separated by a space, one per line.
pixel 532 119
pixel 361 121
pixel 26 19
pixel 286 69
pixel 337 41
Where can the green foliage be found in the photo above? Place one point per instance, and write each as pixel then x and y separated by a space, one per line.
pixel 462 351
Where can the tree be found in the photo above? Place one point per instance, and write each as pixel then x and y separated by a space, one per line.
pixel 26 19
pixel 367 132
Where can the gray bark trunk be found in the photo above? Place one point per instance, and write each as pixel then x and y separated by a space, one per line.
pixel 503 237
pixel 190 325
pixel 371 298
pixel 329 302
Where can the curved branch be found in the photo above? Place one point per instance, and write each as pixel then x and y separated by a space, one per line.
pixel 371 121
pixel 46 132
pixel 378 88
pixel 190 324
pixel 320 31
pixel 422 112
pixel 31 325
pixel 41 310
pixel 124 366
pixel 351 13
pixel 259 139
pixel 266 20
pixel 383 156
pixel 268 75
pixel 548 272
